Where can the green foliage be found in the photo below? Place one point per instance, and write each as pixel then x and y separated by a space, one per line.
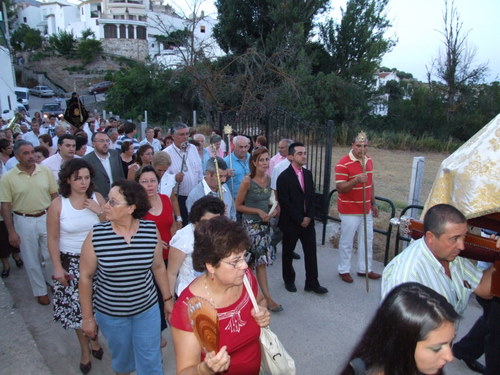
pixel 265 25
pixel 64 43
pixel 88 34
pixel 40 55
pixel 88 50
pixel 25 38
pixel 162 92
pixel 357 44
pixel 176 38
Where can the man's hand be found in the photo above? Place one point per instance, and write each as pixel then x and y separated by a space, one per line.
pixel 374 210
pixel 14 239
pixel 179 177
pixel 361 178
pixel 305 222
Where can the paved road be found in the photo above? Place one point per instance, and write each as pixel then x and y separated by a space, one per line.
pixel 318 331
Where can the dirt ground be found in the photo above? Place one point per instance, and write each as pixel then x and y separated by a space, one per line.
pixel 392 177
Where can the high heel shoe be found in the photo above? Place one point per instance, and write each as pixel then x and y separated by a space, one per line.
pixel 5 273
pixel 97 353
pixel 19 262
pixel 85 367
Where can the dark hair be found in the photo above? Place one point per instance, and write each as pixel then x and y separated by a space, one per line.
pixel 169 137
pixel 61 139
pixel 44 150
pixel 47 139
pixel 141 151
pixel 291 148
pixel 80 142
pixel 20 143
pixel 95 134
pixel 261 140
pixel 216 239
pixel 156 131
pixel 253 159
pixel 144 169
pixel 126 145
pixel 438 216
pixel 406 316
pixel 135 194
pixel 128 127
pixel 70 168
pixel 4 143
pixel 204 205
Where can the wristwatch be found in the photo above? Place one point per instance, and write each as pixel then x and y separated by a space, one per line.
pixel 178 218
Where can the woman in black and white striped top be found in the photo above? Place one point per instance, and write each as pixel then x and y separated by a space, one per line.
pixel 126 252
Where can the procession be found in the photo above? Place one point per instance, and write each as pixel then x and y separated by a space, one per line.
pixel 169 247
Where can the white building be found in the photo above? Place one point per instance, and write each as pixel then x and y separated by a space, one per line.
pixel 8 99
pixel 58 15
pixel 29 13
pixel 380 104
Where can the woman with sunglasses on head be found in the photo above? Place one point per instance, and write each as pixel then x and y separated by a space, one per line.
pixel 70 218
pixel 411 334
pixel 125 253
pixel 253 202
pixel 221 284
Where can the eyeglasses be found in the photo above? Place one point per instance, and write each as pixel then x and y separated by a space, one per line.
pixel 102 141
pixel 238 263
pixel 145 182
pixel 114 203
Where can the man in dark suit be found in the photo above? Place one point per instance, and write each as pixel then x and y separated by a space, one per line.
pixel 106 162
pixel 295 190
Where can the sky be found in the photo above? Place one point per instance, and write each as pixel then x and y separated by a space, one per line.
pixel 416 25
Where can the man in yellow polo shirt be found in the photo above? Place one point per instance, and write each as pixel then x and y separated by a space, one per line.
pixel 25 193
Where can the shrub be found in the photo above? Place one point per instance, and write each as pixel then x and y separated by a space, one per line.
pixel 64 43
pixel 88 50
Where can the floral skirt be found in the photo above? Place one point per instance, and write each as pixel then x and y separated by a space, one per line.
pixel 66 298
pixel 260 242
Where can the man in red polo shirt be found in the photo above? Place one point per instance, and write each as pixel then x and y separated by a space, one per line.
pixel 349 178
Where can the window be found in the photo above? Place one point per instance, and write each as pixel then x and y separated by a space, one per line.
pixel 110 32
pixel 202 29
pixel 141 32
pixel 25 20
pixel 123 32
pixel 131 32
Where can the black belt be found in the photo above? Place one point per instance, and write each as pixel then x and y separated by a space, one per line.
pixel 41 213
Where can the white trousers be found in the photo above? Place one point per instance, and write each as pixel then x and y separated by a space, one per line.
pixel 33 234
pixel 349 226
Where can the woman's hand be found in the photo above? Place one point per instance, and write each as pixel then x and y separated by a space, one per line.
pixel 216 362
pixel 168 307
pixel 263 215
pixel 89 327
pixel 92 205
pixel 263 317
pixel 275 212
pixel 60 275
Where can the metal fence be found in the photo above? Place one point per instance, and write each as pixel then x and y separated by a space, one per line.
pixel 277 124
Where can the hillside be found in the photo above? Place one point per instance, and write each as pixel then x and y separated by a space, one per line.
pixel 69 74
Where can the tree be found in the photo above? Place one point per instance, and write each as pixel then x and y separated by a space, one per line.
pixel 88 34
pixel 25 38
pixel 64 43
pixel 455 65
pixel 265 25
pixel 88 50
pixel 357 44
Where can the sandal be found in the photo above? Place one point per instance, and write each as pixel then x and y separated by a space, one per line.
pixel 19 262
pixel 276 309
pixel 5 273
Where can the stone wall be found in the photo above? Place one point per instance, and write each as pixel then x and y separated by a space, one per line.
pixel 136 49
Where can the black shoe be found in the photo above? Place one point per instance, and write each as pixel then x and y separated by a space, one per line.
pixel 85 367
pixel 5 273
pixel 19 262
pixel 474 365
pixel 296 256
pixel 97 353
pixel 318 290
pixel 291 288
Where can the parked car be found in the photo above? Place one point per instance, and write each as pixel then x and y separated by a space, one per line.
pixel 23 96
pixel 42 91
pixel 51 109
pixel 100 87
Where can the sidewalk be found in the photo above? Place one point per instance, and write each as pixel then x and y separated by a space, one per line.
pixel 318 331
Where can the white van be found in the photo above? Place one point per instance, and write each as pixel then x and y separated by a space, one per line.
pixel 23 93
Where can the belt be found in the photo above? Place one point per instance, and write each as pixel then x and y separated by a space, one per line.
pixel 41 213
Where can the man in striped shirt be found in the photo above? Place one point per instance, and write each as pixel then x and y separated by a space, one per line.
pixel 434 262
pixel 351 181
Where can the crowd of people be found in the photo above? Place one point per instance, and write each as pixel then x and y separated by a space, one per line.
pixel 125 232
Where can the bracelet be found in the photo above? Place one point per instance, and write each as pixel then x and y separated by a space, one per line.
pixel 178 218
pixel 167 299
pixel 88 320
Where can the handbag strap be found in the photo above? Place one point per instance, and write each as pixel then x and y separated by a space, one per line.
pixel 246 282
